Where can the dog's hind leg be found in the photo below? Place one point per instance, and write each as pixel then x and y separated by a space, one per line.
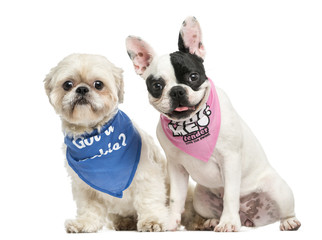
pixel 280 192
pixel 273 202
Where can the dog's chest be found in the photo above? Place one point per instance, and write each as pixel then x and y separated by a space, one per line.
pixel 207 174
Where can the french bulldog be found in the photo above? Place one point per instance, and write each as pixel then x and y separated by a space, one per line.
pixel 204 137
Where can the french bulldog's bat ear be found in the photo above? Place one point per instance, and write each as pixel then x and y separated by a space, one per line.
pixel 190 38
pixel 140 53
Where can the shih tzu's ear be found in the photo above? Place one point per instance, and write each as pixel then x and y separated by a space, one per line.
pixel 118 75
pixel 190 38
pixel 48 82
pixel 140 53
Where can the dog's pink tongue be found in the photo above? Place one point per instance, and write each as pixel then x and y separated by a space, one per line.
pixel 181 109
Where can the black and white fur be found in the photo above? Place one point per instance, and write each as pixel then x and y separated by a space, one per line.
pixel 237 186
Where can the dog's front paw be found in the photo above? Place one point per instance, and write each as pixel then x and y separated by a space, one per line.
pixel 174 222
pixel 150 226
pixel 228 225
pixel 81 226
pixel 290 224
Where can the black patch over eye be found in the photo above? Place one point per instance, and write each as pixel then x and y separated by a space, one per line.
pixel 194 77
pixel 68 85
pixel 188 69
pixel 98 85
pixel 155 86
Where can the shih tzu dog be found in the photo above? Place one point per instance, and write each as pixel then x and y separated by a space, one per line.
pixel 204 137
pixel 118 173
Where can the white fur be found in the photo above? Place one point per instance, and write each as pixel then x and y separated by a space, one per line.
pixel 238 165
pixel 237 180
pixel 144 200
pixel 143 206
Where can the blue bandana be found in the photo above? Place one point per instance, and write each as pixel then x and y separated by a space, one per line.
pixel 107 160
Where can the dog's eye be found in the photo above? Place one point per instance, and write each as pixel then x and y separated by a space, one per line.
pixel 68 85
pixel 194 77
pixel 98 85
pixel 157 86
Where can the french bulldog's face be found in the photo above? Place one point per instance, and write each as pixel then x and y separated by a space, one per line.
pixel 177 85
pixel 176 82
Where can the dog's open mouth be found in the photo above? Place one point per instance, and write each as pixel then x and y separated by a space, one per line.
pixel 184 108
pixel 182 112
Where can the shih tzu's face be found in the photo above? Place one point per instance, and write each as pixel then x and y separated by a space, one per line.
pixel 84 88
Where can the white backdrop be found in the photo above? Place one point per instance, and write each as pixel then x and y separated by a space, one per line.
pixel 266 55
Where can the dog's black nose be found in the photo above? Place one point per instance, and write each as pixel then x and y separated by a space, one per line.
pixel 177 93
pixel 82 90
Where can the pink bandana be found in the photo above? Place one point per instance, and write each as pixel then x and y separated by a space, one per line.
pixel 198 135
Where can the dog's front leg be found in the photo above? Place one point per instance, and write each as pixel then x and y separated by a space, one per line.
pixel 150 203
pixel 91 211
pixel 231 173
pixel 179 179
